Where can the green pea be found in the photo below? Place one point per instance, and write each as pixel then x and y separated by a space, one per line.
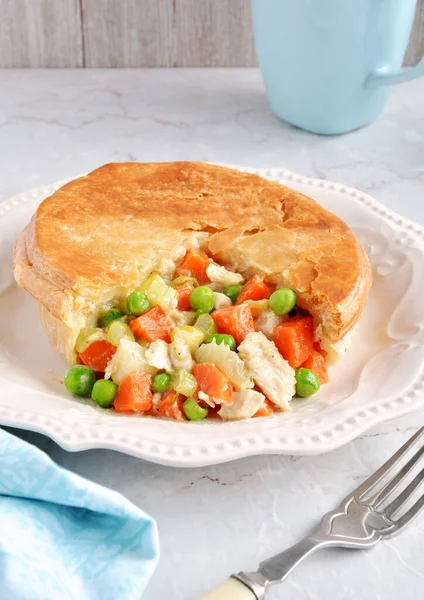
pixel 79 380
pixel 137 303
pixel 307 383
pixel 111 315
pixel 202 299
pixel 282 301
pixel 193 411
pixel 233 291
pixel 104 392
pixel 161 382
pixel 223 338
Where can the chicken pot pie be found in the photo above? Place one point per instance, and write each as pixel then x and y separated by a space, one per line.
pixel 189 290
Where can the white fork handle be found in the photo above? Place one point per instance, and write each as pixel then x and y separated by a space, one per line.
pixel 232 589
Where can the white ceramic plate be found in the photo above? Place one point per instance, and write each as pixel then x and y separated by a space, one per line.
pixel 380 377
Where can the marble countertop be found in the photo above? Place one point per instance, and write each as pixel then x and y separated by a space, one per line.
pixel 217 520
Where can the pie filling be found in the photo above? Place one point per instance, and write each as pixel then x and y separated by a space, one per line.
pixel 199 341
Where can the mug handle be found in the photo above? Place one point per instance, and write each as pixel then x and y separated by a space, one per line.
pixel 386 76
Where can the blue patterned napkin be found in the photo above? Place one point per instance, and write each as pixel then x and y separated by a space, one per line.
pixel 65 538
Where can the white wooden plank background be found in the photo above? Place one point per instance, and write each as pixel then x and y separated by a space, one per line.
pixel 40 33
pixel 214 33
pixel 137 33
pixel 129 33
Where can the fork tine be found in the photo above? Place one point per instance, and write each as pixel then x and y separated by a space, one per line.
pixel 382 494
pixel 404 496
pixel 372 481
pixel 409 515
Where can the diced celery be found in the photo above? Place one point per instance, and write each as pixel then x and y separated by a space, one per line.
pixel 123 305
pixel 184 382
pixel 227 361
pixel 182 317
pixel 206 324
pixel 158 292
pixel 182 279
pixel 193 336
pixel 118 330
pixel 257 306
pixel 87 336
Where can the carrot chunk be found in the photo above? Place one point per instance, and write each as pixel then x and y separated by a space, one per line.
pixel 184 290
pixel 234 320
pixel 194 265
pixel 97 355
pixel 152 325
pixel 213 382
pixel 294 339
pixel 316 363
pixel 266 410
pixel 317 347
pixel 255 289
pixel 134 393
pixel 171 406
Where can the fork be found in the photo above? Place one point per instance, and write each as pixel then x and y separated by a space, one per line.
pixel 359 522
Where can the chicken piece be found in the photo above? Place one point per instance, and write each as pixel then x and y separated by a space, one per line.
pixel 182 317
pixel 271 373
pixel 246 404
pixel 129 357
pixel 180 354
pixel 221 300
pixel 157 355
pixel 267 321
pixel 166 268
pixel 221 275
pixel 202 396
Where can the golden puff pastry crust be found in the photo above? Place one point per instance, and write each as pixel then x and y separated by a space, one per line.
pixel 100 235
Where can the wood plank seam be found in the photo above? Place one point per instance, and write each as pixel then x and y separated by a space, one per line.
pixel 81 12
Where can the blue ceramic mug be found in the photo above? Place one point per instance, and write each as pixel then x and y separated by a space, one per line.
pixel 328 65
